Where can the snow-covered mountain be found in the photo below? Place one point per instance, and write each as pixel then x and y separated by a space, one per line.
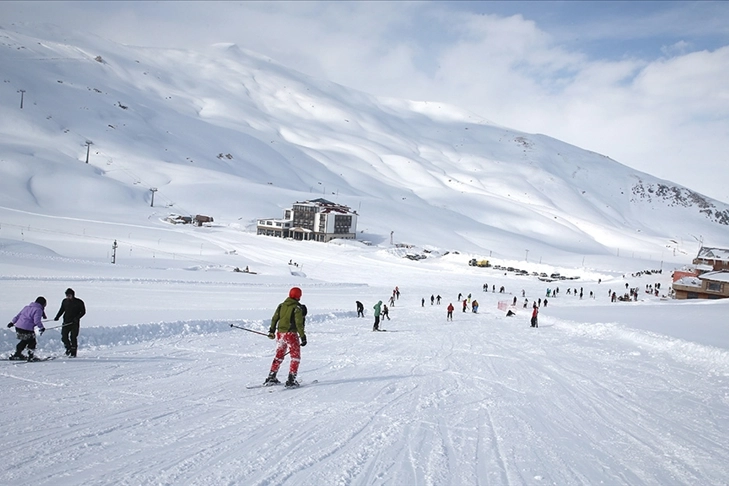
pixel 232 134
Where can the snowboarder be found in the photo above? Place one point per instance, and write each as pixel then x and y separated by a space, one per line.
pixel 287 327
pixel 360 309
pixel 72 310
pixel 449 316
pixel 535 312
pixel 377 307
pixel 385 312
pixel 25 323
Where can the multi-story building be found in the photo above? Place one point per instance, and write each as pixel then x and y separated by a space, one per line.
pixel 708 279
pixel 710 285
pixel 316 219
pixel 717 258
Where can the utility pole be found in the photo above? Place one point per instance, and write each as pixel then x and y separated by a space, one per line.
pixel 88 146
pixel 113 252
pixel 22 92
pixel 153 189
pixel 527 255
pixel 391 233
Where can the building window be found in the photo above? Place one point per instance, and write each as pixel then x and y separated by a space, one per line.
pixel 342 224
pixel 692 295
pixel 713 286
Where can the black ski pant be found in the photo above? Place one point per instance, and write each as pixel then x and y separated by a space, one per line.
pixel 376 327
pixel 27 339
pixel 69 336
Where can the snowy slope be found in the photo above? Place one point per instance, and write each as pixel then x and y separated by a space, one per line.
pixel 232 134
pixel 626 393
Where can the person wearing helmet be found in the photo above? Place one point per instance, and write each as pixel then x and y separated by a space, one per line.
pixel 287 327
pixel 72 310
pixel 25 323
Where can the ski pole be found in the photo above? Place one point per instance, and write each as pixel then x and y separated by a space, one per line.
pixel 249 330
pixel 62 325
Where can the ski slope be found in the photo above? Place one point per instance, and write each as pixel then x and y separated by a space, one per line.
pixel 482 400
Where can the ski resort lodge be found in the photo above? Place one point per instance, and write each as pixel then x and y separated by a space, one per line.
pixel 708 278
pixel 316 219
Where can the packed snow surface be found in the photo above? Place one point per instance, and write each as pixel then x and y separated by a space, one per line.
pixel 600 393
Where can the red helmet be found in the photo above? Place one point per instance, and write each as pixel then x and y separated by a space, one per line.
pixel 295 293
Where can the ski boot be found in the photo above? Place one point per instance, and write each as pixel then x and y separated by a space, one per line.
pixel 271 380
pixel 18 357
pixel 291 382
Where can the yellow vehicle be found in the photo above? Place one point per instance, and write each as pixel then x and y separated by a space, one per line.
pixel 479 263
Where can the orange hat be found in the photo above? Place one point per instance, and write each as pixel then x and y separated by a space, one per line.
pixel 295 293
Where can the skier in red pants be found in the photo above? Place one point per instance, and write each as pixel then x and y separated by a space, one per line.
pixel 289 319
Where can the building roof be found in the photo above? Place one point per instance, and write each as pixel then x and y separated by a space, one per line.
pixel 688 281
pixel 325 205
pixel 720 276
pixel 707 253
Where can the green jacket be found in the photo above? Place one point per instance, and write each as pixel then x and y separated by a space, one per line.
pixel 288 317
pixel 377 308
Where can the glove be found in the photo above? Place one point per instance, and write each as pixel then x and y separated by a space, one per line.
pixel 42 331
pixel 56 318
pixel 303 340
pixel 271 335
pixel 10 324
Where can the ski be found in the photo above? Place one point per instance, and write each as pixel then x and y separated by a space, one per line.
pixel 252 387
pixel 34 360
pixel 262 385
pixel 301 384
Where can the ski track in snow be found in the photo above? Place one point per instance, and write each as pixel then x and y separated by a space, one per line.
pixel 431 404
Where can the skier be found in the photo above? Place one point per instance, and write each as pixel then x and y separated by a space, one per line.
pixel 474 306
pixel 465 305
pixel 360 309
pixel 377 306
pixel 432 299
pixel 72 310
pixel 25 323
pixel 437 299
pixel 449 316
pixel 422 302
pixel 385 312
pixel 287 327
pixel 535 312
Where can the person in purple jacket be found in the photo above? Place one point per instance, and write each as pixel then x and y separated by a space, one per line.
pixel 25 323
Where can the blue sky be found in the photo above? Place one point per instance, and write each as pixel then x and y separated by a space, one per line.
pixel 641 82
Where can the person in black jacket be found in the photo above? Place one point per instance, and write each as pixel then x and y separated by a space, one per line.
pixel 72 310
